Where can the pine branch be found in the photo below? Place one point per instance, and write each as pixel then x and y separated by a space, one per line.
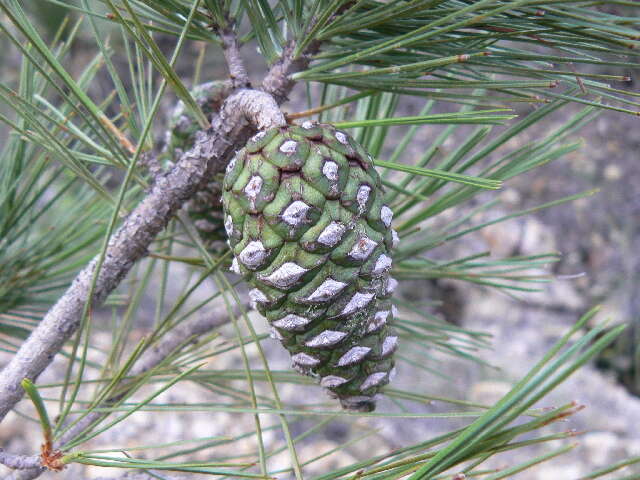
pixel 231 49
pixel 241 114
pixel 19 462
pixel 172 342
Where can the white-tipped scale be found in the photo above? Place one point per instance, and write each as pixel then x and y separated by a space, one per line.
pixel 386 215
pixel 328 338
pixel 353 356
pixel 292 322
pixel 357 302
pixel 326 291
pixel 332 381
pixel 286 276
pixel 295 213
pixel 289 147
pixel 363 247
pixel 383 263
pixel 373 380
pixel 305 360
pixel 332 234
pixel 253 255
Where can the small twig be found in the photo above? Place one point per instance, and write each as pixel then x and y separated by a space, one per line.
pixel 173 341
pixel 231 50
pixel 278 82
pixel 242 113
pixel 19 462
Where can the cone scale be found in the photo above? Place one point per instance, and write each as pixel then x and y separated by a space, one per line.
pixel 306 220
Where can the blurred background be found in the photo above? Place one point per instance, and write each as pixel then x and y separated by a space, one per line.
pixel 598 238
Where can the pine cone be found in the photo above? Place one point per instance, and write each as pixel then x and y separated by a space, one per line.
pixel 306 220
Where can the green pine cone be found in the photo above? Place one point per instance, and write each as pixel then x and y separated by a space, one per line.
pixel 205 208
pixel 306 221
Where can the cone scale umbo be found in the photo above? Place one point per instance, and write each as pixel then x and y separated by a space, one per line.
pixel 307 223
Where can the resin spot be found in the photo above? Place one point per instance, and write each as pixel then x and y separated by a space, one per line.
pixel 253 255
pixel 357 302
pixel 307 125
pixel 328 289
pixel 295 213
pixel 285 276
pixel 354 355
pixel 328 338
pixel 332 234
pixel 360 403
